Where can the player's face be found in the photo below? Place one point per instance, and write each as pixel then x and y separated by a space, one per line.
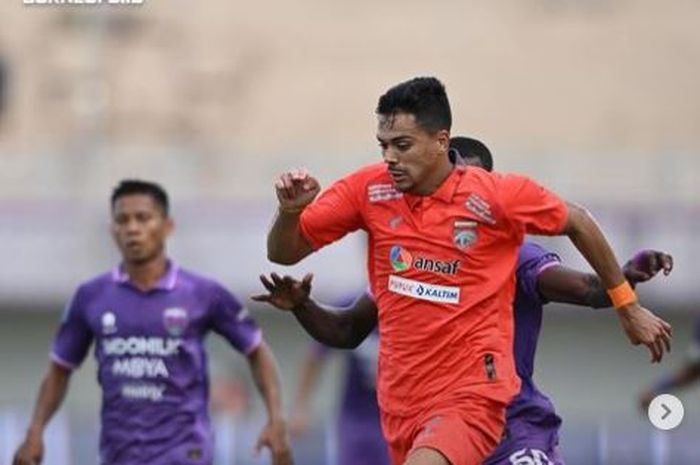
pixel 411 153
pixel 139 228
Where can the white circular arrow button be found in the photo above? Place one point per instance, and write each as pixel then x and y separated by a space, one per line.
pixel 666 412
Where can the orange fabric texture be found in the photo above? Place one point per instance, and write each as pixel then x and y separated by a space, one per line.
pixel 464 433
pixel 622 295
pixel 441 269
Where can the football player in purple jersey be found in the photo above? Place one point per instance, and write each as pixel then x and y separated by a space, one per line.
pixel 146 320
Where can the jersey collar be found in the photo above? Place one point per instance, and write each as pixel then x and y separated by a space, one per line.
pixel 444 193
pixel 166 283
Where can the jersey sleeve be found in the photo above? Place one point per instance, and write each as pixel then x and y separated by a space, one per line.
pixel 335 213
pixel 74 336
pixel 232 320
pixel 531 208
pixel 533 260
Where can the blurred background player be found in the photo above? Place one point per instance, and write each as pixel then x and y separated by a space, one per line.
pixel 684 376
pixel 446 365
pixel 532 429
pixel 358 435
pixel 148 319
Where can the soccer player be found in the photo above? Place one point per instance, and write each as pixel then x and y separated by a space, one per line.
pixel 148 319
pixel 358 432
pixel 443 245
pixel 532 425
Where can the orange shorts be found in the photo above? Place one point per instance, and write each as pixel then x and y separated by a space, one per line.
pixel 464 434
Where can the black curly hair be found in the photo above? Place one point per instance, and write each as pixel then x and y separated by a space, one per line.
pixel 424 98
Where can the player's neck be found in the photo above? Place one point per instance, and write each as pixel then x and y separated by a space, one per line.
pixel 435 179
pixel 145 275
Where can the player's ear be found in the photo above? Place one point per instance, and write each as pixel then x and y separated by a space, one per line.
pixel 443 140
pixel 169 225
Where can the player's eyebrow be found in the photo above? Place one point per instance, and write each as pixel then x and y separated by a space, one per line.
pixel 395 140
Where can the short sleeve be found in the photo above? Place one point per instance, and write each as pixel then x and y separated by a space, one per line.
pixel 531 208
pixel 74 335
pixel 533 260
pixel 335 213
pixel 232 320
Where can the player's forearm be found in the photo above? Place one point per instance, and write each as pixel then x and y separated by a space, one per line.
pixel 51 394
pixel 328 326
pixel 597 296
pixel 590 241
pixel 266 377
pixel 285 243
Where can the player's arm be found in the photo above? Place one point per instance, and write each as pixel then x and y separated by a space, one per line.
pixel 339 328
pixel 286 243
pixel 562 284
pixel 304 224
pixel 51 394
pixel 265 373
pixel 641 326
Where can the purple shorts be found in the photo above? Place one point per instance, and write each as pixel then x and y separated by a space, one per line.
pixel 527 444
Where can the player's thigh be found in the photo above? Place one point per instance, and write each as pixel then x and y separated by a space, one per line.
pixel 462 437
pixel 426 456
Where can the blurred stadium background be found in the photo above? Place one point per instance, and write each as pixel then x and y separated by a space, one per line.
pixel 597 99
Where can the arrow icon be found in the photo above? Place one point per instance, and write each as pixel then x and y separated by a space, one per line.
pixel 667 411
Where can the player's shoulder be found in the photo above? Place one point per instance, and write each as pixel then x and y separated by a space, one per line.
pixel 196 280
pixel 95 284
pixel 200 284
pixel 491 179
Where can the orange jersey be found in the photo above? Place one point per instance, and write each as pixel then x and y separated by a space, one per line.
pixel 441 268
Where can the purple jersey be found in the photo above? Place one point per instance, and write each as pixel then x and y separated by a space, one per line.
pixel 532 425
pixel 152 366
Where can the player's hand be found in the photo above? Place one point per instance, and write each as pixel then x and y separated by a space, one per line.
pixel 646 264
pixel 30 452
pixel 296 189
pixel 643 327
pixel 274 437
pixel 285 293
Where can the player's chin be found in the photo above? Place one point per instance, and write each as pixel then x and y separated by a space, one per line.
pixel 403 185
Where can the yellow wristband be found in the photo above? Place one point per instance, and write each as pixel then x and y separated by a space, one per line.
pixel 622 295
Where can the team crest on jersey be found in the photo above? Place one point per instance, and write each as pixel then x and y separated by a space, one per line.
pixel 464 233
pixel 175 320
pixel 109 323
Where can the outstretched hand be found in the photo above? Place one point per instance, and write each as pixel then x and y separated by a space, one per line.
pixel 285 293
pixel 646 264
pixel 643 327
pixel 296 189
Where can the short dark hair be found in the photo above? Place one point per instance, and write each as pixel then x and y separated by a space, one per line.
pixel 423 97
pixel 137 186
pixel 465 147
